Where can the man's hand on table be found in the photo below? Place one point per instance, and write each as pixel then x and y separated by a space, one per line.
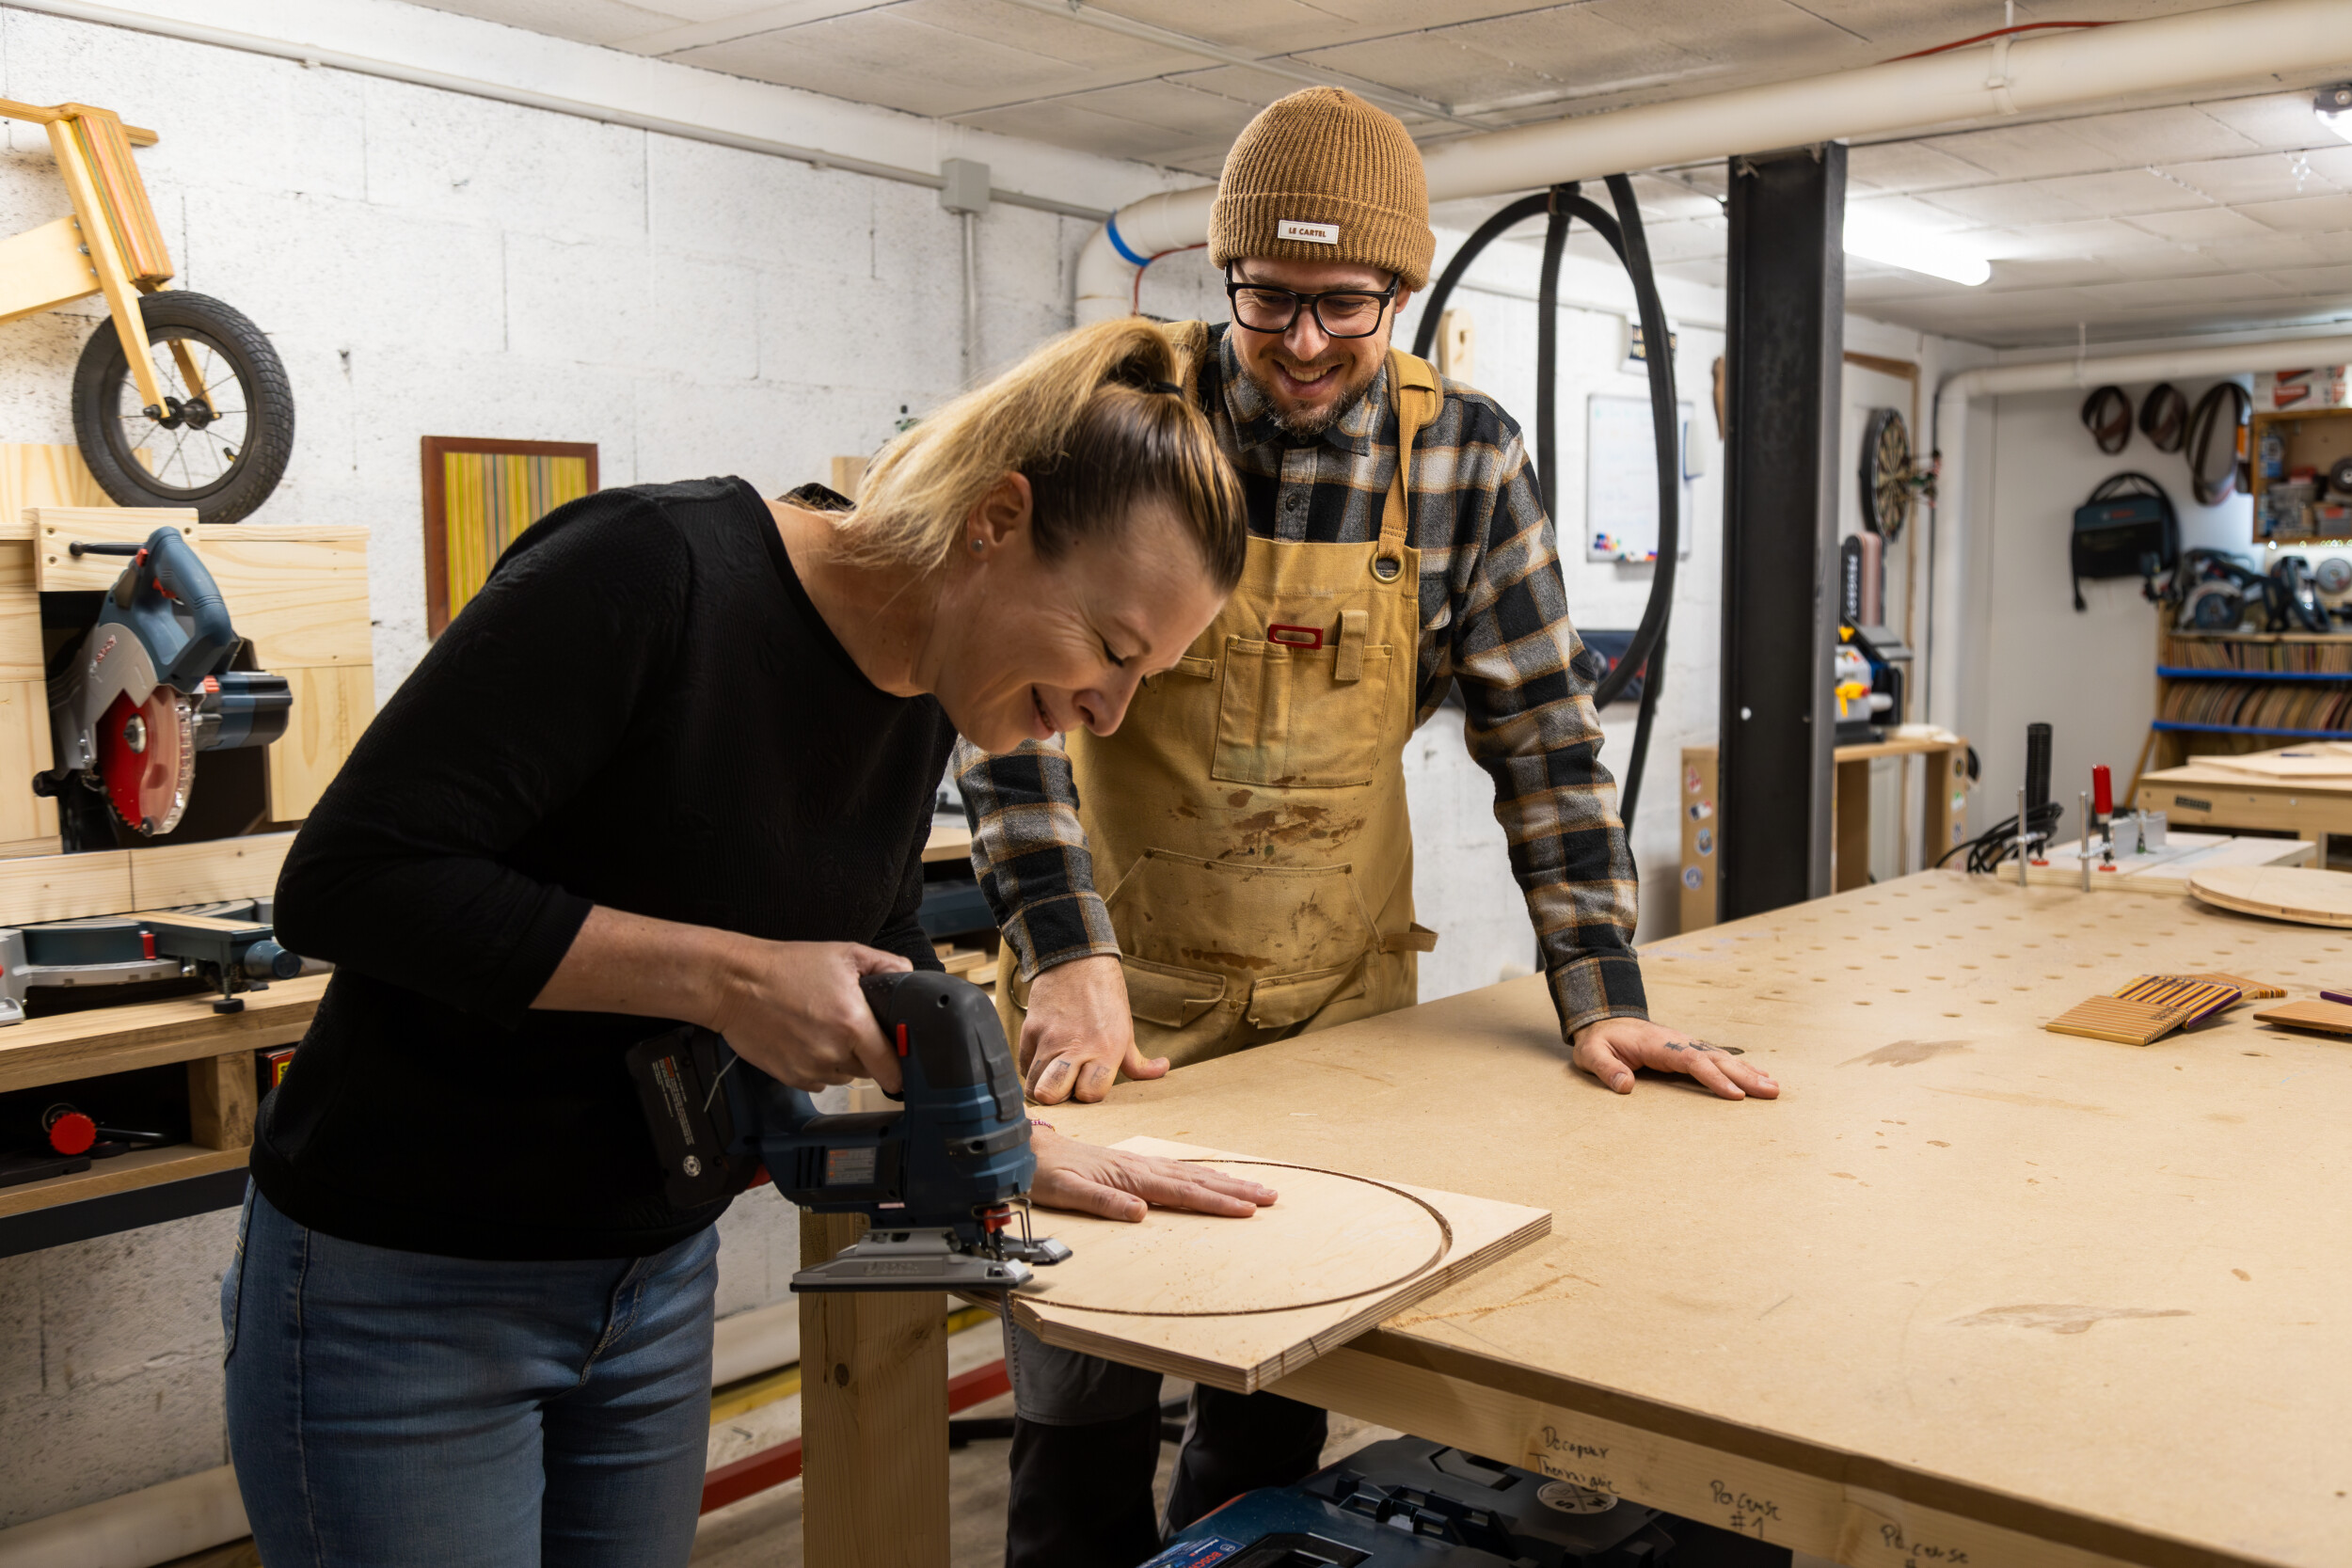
pixel 1078 1034
pixel 1612 1048
pixel 1087 1179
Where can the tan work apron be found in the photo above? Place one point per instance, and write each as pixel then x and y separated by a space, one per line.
pixel 1252 805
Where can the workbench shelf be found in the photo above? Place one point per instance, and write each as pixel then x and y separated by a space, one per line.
pixel 2178 726
pixel 2292 684
pixel 2185 672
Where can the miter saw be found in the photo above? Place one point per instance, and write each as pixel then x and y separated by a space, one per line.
pixel 149 686
pixel 940 1180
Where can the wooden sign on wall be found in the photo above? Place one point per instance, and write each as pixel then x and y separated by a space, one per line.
pixel 478 495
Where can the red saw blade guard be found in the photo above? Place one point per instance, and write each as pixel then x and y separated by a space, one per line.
pixel 145 756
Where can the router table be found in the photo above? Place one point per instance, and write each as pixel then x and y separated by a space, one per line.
pixel 1970 1292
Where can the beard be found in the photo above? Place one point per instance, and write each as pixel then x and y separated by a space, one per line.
pixel 1309 423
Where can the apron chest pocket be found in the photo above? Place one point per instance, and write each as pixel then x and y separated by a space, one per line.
pixel 1168 996
pixel 1301 719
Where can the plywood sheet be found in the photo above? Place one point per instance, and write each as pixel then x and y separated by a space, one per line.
pixel 332 703
pixel 1237 1303
pixel 2166 871
pixel 2305 896
pixel 300 593
pixel 1909 1282
pixel 25 751
pixel 20 615
pixel 2325 760
pixel 34 473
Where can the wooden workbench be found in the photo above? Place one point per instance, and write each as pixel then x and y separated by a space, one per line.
pixel 1969 1292
pixel 2200 794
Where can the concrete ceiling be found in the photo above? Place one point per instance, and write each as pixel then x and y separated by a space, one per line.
pixel 2133 224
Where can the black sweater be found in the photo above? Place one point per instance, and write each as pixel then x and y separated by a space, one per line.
pixel 642 709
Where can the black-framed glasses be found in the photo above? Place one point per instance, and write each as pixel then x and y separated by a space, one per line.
pixel 1340 312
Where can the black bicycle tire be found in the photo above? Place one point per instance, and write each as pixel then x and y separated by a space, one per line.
pixel 104 368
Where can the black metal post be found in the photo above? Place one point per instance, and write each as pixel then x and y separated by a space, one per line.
pixel 1786 335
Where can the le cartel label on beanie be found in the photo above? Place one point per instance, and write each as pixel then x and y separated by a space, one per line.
pixel 1314 234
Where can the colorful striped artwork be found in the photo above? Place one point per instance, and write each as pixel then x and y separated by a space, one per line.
pixel 479 495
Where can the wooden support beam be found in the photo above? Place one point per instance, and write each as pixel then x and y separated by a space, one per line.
pixel 873 1418
pixel 222 1097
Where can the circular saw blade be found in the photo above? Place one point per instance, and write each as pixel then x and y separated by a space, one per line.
pixel 145 756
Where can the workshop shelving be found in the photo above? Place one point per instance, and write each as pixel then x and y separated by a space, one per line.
pixel 2222 693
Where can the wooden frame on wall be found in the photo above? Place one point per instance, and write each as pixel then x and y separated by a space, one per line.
pixel 496 500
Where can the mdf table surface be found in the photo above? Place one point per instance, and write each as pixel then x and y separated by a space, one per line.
pixel 1969 1291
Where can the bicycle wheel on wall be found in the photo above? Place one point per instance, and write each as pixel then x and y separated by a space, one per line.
pixel 221 450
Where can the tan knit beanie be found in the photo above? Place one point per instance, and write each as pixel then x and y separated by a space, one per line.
pixel 1322 176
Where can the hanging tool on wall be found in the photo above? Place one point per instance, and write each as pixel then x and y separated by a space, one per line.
pixel 148 686
pixel 1625 236
pixel 2126 529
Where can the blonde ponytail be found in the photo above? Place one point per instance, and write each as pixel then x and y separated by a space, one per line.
pixel 1086 421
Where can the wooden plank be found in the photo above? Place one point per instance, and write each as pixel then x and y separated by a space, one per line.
pixel 43 268
pixel 147 1033
pixel 1944 816
pixel 949 841
pixel 1208 1298
pixel 19 848
pixel 222 1097
pixel 300 594
pixel 1851 859
pixel 332 703
pixel 125 1173
pixel 1902 1274
pixel 56 529
pixel 848 473
pixel 42 473
pixel 873 1418
pixel 64 887
pixel 21 655
pixel 1698 891
pixel 2333 1018
pixel 25 751
pixel 170 875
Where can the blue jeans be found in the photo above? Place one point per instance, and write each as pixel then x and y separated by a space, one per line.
pixel 389 1409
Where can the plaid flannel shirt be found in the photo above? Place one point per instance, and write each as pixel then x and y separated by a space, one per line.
pixel 1494 616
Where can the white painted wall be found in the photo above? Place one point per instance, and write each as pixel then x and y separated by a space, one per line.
pixel 430 262
pixel 2089 675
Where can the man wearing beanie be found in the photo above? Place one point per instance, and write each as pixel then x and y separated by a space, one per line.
pixel 1233 866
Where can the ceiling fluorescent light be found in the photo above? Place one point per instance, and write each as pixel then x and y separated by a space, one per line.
pixel 1931 254
pixel 2334 106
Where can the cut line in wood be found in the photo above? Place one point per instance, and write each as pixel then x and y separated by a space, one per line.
pixel 1445 1244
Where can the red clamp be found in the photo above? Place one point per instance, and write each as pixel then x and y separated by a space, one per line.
pixel 1305 639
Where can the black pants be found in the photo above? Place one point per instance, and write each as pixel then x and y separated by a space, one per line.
pixel 1087 1441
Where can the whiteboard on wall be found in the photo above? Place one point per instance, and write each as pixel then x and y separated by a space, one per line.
pixel 1621 480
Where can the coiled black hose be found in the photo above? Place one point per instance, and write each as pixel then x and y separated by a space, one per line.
pixel 1625 237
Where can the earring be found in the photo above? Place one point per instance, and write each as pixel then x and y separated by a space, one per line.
pixel 978 548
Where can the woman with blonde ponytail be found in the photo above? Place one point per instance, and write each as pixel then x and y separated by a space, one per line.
pixel 675 764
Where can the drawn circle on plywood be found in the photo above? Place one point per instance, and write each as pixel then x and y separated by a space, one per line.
pixel 2299 894
pixel 1293 1254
